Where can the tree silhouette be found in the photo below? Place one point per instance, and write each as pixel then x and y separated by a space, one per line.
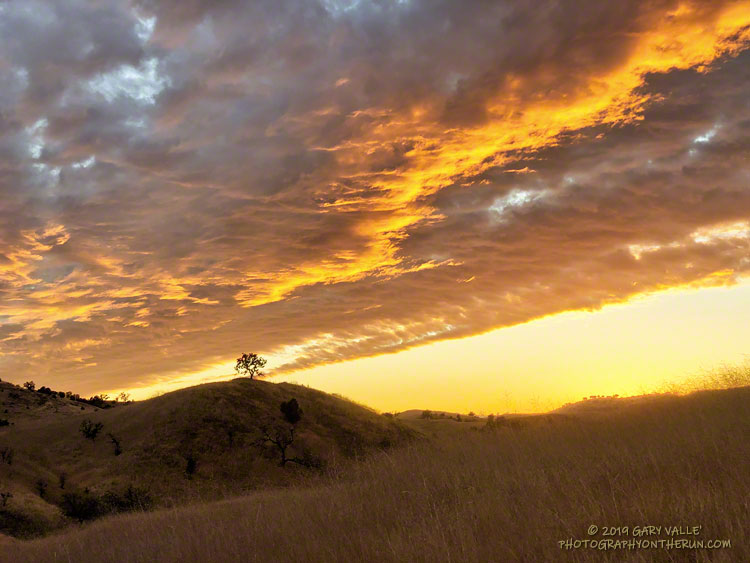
pixel 90 429
pixel 249 365
pixel 291 411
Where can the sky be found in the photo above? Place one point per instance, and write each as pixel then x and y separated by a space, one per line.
pixel 409 203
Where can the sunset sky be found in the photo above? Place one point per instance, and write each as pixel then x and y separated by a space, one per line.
pixel 456 205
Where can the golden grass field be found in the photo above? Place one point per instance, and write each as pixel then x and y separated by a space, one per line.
pixel 470 495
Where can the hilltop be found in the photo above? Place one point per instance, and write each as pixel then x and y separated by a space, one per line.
pixel 198 443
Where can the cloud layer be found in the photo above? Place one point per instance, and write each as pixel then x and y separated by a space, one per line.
pixel 320 181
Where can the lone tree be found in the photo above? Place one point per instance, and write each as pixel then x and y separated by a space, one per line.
pixel 249 365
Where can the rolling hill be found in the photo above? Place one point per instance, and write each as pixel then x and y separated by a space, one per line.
pixel 510 493
pixel 203 442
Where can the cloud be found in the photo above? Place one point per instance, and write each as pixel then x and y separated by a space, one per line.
pixel 324 181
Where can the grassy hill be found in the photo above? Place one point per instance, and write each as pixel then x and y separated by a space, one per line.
pixel 193 444
pixel 510 493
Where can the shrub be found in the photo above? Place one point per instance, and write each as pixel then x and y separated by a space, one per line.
pixel 41 487
pixel 291 411
pixel 4 422
pixel 116 443
pixel 129 500
pixel 81 506
pixel 30 385
pixel 6 455
pixel 90 429
pixel 191 465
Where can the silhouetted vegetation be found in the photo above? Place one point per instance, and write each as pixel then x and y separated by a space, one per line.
pixel 81 505
pixel 495 422
pixel 282 437
pixel 250 365
pixel 87 505
pixel 41 487
pixel 116 443
pixel 291 411
pixel 4 497
pixel 130 499
pixel 30 385
pixel 4 422
pixel 6 455
pixel 191 465
pixel 91 429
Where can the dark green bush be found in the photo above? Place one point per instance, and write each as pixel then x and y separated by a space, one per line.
pixel 81 506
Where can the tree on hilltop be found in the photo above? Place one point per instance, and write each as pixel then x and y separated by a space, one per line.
pixel 249 365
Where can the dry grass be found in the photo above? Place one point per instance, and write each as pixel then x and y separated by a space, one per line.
pixel 507 495
pixel 725 376
pixel 156 436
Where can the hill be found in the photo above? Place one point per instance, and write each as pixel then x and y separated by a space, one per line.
pixel 512 493
pixel 203 442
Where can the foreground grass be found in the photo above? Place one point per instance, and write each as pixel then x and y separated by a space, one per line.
pixel 507 495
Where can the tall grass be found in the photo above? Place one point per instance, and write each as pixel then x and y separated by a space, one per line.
pixel 507 495
pixel 724 376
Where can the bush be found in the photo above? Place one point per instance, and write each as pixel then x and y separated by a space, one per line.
pixel 81 506
pixel 90 429
pixel 116 443
pixel 30 385
pixel 191 465
pixel 41 487
pixel 86 505
pixel 291 411
pixel 129 500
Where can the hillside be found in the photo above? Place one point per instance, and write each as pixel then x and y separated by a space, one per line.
pixel 510 494
pixel 196 443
